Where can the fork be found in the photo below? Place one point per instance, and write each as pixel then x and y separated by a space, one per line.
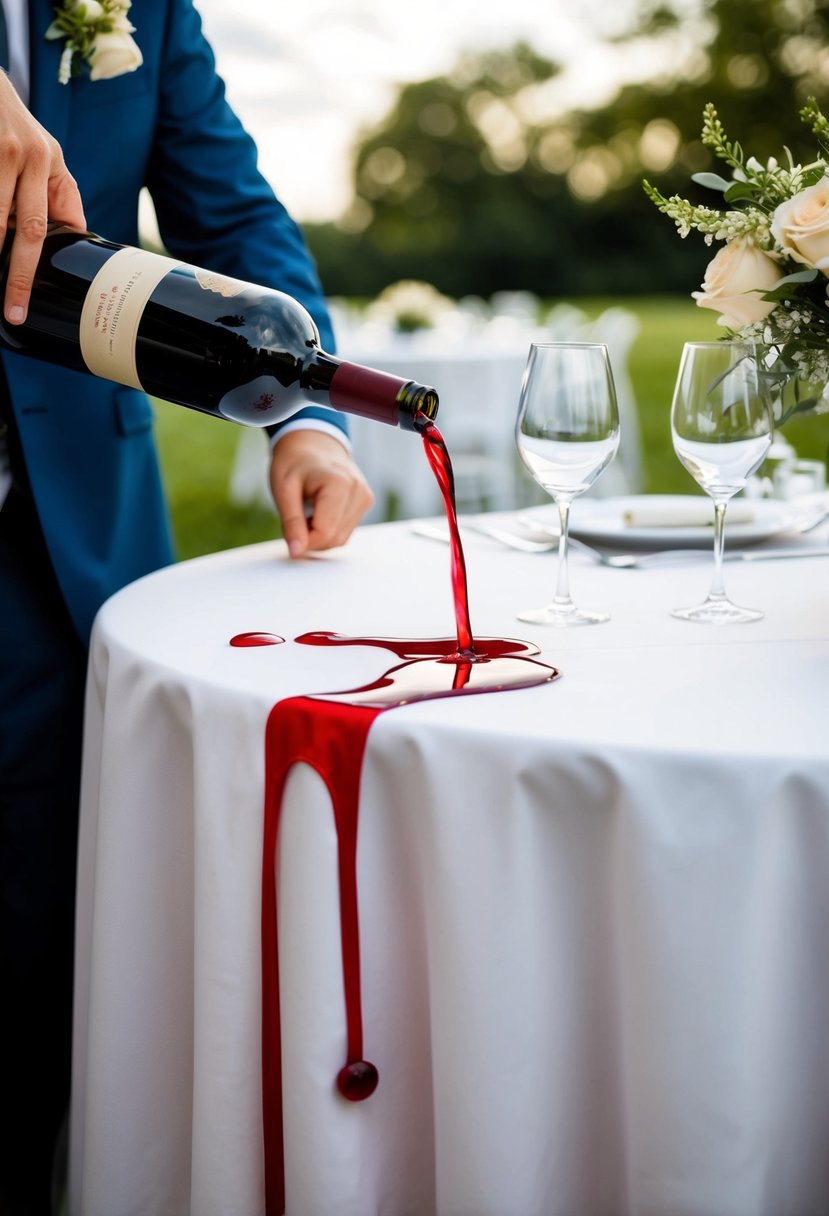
pixel 522 543
pixel 616 561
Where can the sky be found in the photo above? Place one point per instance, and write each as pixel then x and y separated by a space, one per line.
pixel 306 77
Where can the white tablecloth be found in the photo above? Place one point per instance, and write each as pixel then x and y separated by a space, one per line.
pixel 594 913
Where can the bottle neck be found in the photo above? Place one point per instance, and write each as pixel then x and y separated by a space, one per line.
pixel 369 393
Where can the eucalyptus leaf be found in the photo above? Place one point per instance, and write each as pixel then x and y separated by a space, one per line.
pixel 803 407
pixel 712 181
pixel 742 190
pixel 808 275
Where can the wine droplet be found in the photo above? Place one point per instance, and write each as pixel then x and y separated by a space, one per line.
pixel 256 638
pixel 357 1081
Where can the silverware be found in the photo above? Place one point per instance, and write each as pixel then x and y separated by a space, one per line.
pixel 810 522
pixel 616 561
pixel 633 561
pixel 510 539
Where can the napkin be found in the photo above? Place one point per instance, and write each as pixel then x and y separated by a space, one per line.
pixel 687 514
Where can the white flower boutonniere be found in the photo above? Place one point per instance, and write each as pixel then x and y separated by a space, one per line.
pixel 99 33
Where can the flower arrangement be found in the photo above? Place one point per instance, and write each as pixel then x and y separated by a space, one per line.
pixel 99 33
pixel 769 281
pixel 410 305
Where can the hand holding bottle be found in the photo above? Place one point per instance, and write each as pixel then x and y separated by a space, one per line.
pixel 312 467
pixel 35 186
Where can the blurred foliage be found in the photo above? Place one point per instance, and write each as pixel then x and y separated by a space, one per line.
pixel 473 183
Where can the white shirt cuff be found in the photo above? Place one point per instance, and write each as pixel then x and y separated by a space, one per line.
pixel 312 424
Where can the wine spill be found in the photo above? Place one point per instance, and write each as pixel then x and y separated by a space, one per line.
pixel 255 638
pixel 329 732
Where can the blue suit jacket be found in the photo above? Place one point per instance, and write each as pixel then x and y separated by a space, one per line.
pixel 88 444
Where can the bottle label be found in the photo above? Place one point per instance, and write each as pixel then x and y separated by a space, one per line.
pixel 113 309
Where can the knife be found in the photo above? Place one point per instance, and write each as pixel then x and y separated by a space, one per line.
pixel 771 555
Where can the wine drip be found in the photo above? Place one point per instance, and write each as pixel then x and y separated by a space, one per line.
pixel 255 638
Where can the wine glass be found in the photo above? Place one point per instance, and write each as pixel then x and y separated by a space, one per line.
pixel 722 427
pixel 567 432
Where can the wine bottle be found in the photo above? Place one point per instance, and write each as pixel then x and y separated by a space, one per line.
pixel 216 344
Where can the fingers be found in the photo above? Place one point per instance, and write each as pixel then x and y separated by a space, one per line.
pixel 30 229
pixel 45 190
pixel 289 502
pixel 35 185
pixel 339 505
pixel 313 468
pixel 64 199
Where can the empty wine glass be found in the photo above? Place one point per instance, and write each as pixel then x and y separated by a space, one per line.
pixel 722 426
pixel 567 432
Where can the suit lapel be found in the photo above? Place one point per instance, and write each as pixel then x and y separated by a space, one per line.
pixel 49 100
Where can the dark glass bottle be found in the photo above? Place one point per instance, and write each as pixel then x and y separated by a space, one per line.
pixel 249 354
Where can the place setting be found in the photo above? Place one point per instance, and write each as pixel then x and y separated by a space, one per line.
pixel 650 522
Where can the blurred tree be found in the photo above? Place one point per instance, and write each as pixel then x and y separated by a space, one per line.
pixel 474 185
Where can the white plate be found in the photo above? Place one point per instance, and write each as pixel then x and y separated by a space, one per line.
pixel 603 520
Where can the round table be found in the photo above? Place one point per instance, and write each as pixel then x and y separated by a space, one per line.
pixel 593 913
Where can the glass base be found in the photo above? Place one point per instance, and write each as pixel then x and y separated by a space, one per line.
pixel 718 612
pixel 561 615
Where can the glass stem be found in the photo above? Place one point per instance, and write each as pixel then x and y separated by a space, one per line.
pixel 562 596
pixel 717 591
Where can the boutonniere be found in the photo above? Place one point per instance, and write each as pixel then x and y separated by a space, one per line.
pixel 99 33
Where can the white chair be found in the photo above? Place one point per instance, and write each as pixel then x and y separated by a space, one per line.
pixel 618 329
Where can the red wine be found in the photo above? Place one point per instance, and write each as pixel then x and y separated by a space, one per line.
pixel 438 456
pixel 329 732
pixel 256 638
pixel 212 343
pixel 435 669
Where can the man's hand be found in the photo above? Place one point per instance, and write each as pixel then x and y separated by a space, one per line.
pixel 35 186
pixel 310 468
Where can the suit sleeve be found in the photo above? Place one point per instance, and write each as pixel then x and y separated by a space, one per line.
pixel 214 207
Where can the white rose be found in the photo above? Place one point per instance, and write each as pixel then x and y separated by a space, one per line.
pixel 113 54
pixel 93 9
pixel 801 226
pixel 735 281
pixel 120 21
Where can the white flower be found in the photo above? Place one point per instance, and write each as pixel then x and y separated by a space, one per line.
pixel 99 32
pixel 735 281
pixel 93 10
pixel 800 225
pixel 112 55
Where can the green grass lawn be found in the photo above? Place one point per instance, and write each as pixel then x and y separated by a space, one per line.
pixel 197 451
